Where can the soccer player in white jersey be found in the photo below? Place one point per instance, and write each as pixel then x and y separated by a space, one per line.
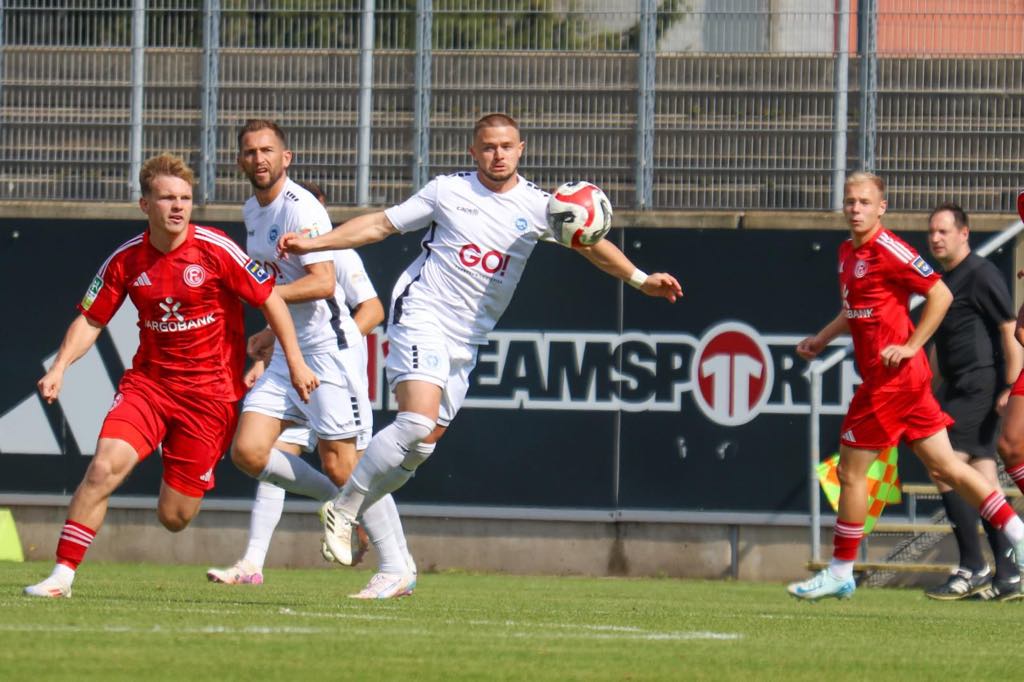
pixel 483 226
pixel 329 338
pixel 367 312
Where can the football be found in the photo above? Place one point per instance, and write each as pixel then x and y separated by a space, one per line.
pixel 579 214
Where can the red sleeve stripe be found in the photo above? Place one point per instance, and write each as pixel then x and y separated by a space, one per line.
pixel 134 241
pixel 897 249
pixel 225 243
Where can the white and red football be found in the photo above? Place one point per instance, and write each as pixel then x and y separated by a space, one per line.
pixel 579 214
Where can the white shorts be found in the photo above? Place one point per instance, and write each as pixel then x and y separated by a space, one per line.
pixel 304 437
pixel 425 354
pixel 338 409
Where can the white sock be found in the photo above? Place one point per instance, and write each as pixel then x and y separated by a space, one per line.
pixel 64 574
pixel 394 479
pixel 840 569
pixel 266 512
pixel 377 522
pixel 1014 530
pixel 296 476
pixel 387 451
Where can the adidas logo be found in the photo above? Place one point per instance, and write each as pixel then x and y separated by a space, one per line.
pixel 142 281
pixel 848 435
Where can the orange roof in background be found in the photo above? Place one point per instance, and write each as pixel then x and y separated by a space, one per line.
pixel 946 27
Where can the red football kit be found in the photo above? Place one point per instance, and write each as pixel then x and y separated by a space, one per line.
pixel 186 377
pixel 876 281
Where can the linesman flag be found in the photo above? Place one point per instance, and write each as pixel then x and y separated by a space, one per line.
pixel 883 484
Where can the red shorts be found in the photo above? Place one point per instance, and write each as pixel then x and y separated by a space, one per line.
pixel 1018 385
pixel 195 432
pixel 878 419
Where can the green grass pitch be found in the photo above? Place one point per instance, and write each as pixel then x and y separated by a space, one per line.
pixel 147 622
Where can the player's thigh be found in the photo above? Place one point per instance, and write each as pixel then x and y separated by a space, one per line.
pixel 197 438
pixel 421 397
pixel 110 466
pixel 254 437
pixel 267 406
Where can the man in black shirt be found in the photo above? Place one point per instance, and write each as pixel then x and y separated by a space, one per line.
pixel 978 359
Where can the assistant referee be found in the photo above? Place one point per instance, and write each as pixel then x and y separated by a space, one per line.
pixel 978 358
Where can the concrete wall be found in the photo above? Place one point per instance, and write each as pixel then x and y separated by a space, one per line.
pixel 674 550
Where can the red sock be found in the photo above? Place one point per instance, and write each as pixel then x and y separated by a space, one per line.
pixel 74 542
pixel 996 510
pixel 846 539
pixel 1017 474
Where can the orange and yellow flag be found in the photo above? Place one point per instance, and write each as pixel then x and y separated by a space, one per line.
pixel 883 484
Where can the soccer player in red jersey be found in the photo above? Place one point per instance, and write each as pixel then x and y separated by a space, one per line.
pixel 878 272
pixel 182 390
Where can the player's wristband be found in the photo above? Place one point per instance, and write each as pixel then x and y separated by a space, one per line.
pixel 637 279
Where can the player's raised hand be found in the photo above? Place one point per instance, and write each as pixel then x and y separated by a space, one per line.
pixel 895 354
pixel 663 285
pixel 809 348
pixel 304 381
pixel 293 242
pixel 50 385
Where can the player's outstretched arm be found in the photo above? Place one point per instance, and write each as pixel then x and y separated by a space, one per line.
pixel 80 337
pixel 608 258
pixel 276 312
pixel 360 231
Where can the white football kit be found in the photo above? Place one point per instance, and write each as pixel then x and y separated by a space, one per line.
pixel 328 337
pixel 449 299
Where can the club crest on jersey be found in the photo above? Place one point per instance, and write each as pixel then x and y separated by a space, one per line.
pixel 860 269
pixel 257 271
pixel 273 234
pixel 922 267
pixel 92 292
pixel 522 224
pixel 194 275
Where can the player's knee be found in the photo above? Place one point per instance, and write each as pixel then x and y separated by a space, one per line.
pixel 412 428
pixel 174 520
pixel 247 458
pixel 1011 448
pixel 418 454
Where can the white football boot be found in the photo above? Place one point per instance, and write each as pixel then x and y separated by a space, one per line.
pixel 51 587
pixel 387 586
pixel 242 573
pixel 339 534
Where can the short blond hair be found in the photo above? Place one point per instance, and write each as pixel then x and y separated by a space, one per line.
pixel 164 164
pixel 861 177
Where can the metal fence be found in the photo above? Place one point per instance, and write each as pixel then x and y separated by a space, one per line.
pixel 670 104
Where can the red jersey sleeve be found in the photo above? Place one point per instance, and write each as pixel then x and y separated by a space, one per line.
pixel 241 275
pixel 108 289
pixel 906 267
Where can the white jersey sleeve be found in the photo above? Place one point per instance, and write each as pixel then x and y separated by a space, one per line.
pixel 417 211
pixel 352 278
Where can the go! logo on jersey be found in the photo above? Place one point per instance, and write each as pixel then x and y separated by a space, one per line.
pixel 491 262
